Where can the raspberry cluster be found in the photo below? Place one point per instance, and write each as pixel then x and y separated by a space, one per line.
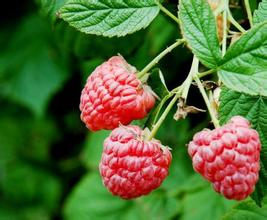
pixel 228 157
pixel 113 95
pixel 132 166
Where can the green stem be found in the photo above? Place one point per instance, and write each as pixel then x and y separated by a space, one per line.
pixel 208 72
pixel 164 115
pixel 158 58
pixel 248 9
pixel 187 83
pixel 206 99
pixel 167 12
pixel 182 91
pixel 234 22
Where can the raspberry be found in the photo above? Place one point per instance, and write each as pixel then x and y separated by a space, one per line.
pixel 228 157
pixel 131 167
pixel 113 95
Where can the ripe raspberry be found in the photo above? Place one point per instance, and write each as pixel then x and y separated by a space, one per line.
pixel 131 167
pixel 113 95
pixel 229 157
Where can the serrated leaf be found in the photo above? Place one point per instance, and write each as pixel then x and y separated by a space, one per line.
pixel 254 108
pixel 199 29
pixel 246 210
pixel 260 15
pixel 109 18
pixel 244 67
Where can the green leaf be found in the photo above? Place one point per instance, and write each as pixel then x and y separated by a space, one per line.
pixel 91 200
pixel 199 29
pixel 254 108
pixel 39 187
pixel 93 148
pixel 109 18
pixel 49 8
pixel 205 204
pixel 31 69
pixel 244 67
pixel 247 210
pixel 260 15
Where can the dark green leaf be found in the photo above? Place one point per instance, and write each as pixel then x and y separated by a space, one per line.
pixel 109 18
pixel 31 68
pixel 244 67
pixel 49 8
pixel 199 29
pixel 247 210
pixel 254 108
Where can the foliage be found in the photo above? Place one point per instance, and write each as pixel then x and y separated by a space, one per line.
pixel 49 160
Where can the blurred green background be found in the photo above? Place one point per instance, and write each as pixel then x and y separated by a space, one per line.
pixel 48 159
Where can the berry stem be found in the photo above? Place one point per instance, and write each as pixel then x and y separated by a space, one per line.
pixel 164 115
pixel 206 99
pixel 141 74
pixel 205 73
pixel 234 22
pixel 249 13
pixel 167 12
pixel 181 91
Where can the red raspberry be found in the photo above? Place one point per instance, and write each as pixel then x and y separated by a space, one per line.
pixel 113 95
pixel 131 167
pixel 229 157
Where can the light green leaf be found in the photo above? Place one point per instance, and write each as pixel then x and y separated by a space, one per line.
pixel 199 29
pixel 244 67
pixel 247 210
pixel 205 204
pixel 109 18
pixel 93 148
pixel 260 15
pixel 254 108
pixel 91 200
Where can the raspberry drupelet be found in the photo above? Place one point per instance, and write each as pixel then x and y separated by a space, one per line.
pixel 228 157
pixel 113 95
pixel 131 167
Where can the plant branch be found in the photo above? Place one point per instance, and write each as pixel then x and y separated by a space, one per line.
pixel 249 13
pixel 158 58
pixel 167 12
pixel 206 99
pixel 234 22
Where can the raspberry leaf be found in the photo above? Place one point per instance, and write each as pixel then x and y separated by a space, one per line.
pixel 199 29
pixel 253 108
pixel 93 148
pixel 109 18
pixel 247 210
pixel 244 67
pixel 260 15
